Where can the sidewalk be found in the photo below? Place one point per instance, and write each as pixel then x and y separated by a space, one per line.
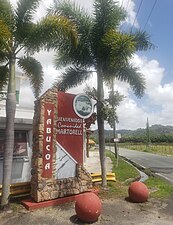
pixel 92 164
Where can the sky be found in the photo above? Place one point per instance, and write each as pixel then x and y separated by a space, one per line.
pixel 156 65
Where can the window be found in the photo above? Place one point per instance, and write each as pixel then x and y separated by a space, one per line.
pixel 20 143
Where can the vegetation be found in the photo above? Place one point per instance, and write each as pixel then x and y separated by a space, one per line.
pixel 156 148
pixel 154 138
pixel 102 49
pixel 158 134
pixel 126 173
pixel 20 35
pixel 159 188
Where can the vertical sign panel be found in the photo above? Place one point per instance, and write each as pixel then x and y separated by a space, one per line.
pixel 48 139
pixel 69 127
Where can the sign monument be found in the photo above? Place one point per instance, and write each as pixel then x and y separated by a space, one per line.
pixel 57 163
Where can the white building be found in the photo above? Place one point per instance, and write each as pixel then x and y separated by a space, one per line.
pixel 21 171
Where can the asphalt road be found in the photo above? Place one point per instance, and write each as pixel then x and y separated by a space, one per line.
pixel 162 165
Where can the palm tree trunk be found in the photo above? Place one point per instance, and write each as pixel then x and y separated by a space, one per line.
pixel 100 121
pixel 9 136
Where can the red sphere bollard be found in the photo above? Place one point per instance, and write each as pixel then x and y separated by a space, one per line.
pixel 88 207
pixel 138 192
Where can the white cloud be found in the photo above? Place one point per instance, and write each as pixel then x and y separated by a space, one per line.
pixel 26 97
pixel 129 6
pixel 158 93
pixel 130 115
pixel 158 105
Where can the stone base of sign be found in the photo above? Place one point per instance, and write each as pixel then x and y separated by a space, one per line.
pixel 29 204
pixel 44 188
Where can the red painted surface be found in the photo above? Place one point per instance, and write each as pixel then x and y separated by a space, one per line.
pixel 88 207
pixel 48 138
pixel 29 204
pixel 138 192
pixel 69 127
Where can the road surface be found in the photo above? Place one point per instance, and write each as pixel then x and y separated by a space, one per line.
pixel 162 165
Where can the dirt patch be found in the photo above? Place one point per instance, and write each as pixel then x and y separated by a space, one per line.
pixel 115 211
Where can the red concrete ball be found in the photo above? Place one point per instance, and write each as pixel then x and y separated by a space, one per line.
pixel 88 207
pixel 138 192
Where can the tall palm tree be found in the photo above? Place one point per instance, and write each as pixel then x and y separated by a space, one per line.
pixel 20 34
pixel 101 48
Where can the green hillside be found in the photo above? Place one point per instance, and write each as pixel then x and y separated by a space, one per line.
pixel 155 131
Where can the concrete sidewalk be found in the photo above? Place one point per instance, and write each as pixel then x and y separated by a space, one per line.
pixel 92 164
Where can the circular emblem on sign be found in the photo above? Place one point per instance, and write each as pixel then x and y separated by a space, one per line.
pixel 83 106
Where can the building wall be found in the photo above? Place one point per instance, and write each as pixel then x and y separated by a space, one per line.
pixel 21 171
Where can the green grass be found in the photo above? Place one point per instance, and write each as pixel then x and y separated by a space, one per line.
pixel 162 149
pixel 124 171
pixel 125 174
pixel 159 188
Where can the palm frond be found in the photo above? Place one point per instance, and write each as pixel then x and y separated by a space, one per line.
pixel 108 15
pixel 72 77
pixel 117 48
pixel 24 14
pixel 4 31
pixel 91 92
pixel 115 98
pixel 62 60
pixel 52 32
pixel 142 40
pixel 5 36
pixel 25 11
pixel 81 55
pixel 72 11
pixel 4 72
pixel 34 72
pixel 3 56
pixel 131 75
pixel 7 14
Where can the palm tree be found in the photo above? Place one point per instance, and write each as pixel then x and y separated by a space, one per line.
pixel 114 101
pixel 101 48
pixel 19 34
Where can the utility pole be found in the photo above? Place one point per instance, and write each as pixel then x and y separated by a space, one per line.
pixel 148 141
pixel 114 123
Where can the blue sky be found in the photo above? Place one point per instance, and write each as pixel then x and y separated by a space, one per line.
pixel 156 65
pixel 159 28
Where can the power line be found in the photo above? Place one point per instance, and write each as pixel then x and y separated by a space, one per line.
pixel 150 14
pixel 136 15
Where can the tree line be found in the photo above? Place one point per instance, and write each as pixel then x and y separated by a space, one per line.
pixel 154 138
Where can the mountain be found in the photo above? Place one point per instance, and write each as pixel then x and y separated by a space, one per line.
pixel 154 129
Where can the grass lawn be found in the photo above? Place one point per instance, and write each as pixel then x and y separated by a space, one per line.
pixel 159 188
pixel 161 149
pixel 125 174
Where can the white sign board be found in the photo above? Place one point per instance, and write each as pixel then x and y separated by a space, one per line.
pixel 116 140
